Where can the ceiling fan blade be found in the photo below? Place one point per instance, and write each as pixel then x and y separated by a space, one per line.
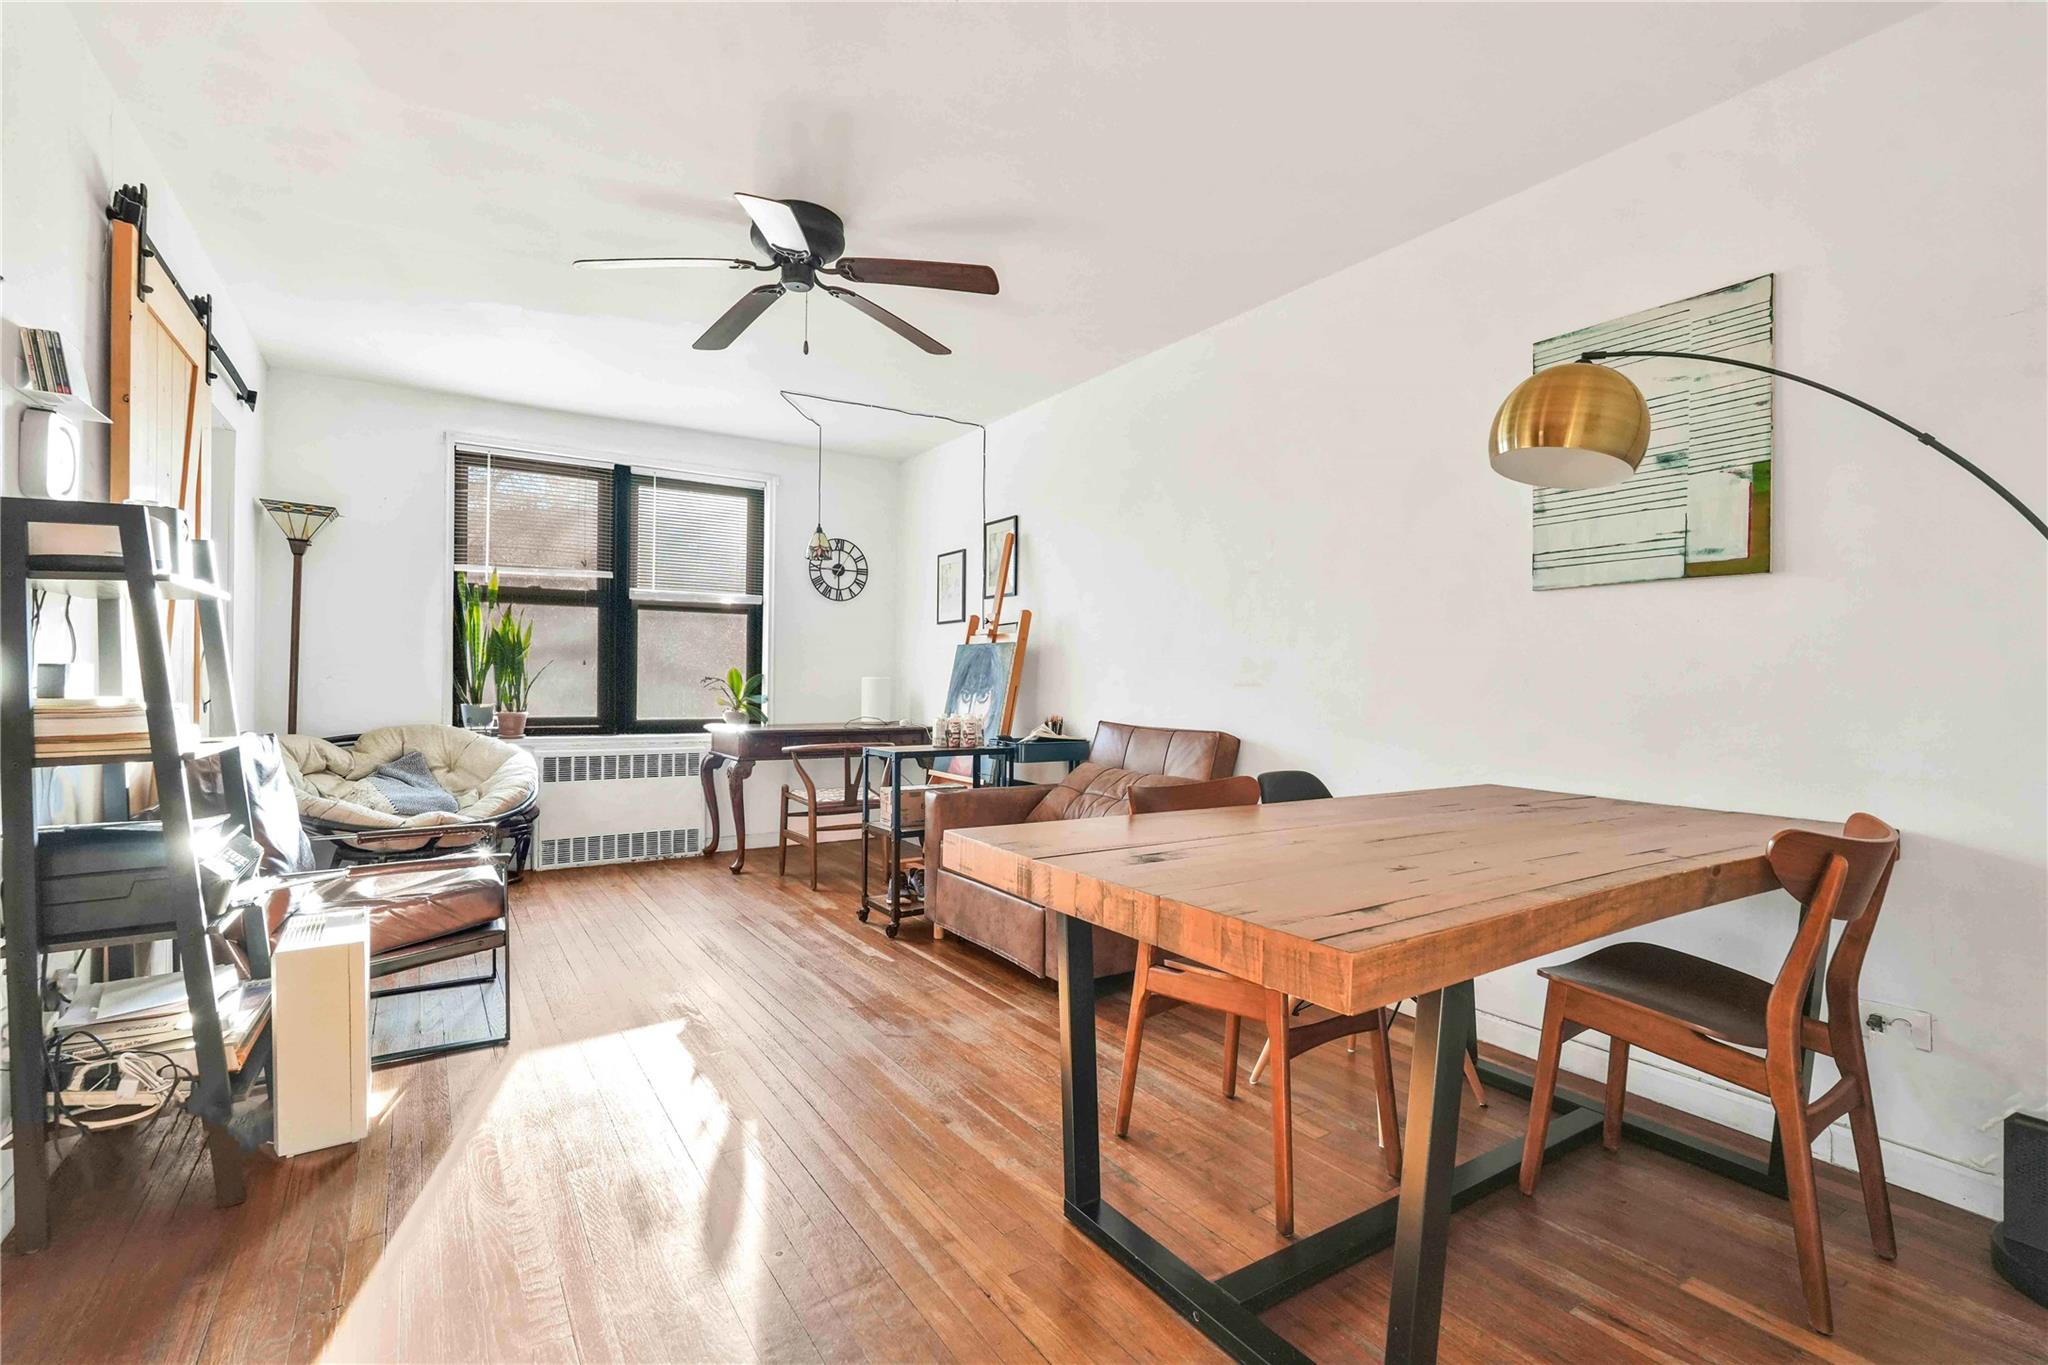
pixel 889 320
pixel 737 318
pixel 663 263
pixel 777 222
pixel 968 279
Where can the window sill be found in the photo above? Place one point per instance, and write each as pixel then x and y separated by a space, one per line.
pixel 612 744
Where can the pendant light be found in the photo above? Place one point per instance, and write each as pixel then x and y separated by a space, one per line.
pixel 821 544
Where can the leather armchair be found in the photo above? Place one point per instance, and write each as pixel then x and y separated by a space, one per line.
pixel 1120 758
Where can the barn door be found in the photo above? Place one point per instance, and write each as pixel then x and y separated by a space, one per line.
pixel 162 408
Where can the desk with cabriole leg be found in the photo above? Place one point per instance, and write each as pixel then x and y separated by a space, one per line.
pixel 741 746
pixel 1355 903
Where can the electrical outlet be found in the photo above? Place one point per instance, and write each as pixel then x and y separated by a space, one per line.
pixel 1897 1021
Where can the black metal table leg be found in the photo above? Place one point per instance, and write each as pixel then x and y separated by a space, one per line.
pixel 1415 1223
pixel 1080 1120
pixel 1204 1303
pixel 1444 1024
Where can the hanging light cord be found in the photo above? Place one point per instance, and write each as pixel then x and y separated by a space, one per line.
pixel 790 396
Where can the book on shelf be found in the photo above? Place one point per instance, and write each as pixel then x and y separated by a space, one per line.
pixel 42 356
pixel 85 725
pixel 90 716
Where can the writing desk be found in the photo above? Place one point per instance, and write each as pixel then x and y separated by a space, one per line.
pixel 742 746
pixel 1354 903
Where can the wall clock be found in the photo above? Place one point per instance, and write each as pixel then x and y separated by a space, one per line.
pixel 841 573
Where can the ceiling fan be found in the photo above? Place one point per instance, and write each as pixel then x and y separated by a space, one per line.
pixel 803 241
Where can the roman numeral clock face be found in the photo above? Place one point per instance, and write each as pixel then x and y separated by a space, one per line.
pixel 842 573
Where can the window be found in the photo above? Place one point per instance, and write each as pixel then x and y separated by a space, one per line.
pixel 639 584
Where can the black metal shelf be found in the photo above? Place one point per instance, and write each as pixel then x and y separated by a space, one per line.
pixel 107 576
pixel 53 898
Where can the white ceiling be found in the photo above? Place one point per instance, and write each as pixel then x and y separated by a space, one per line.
pixel 396 191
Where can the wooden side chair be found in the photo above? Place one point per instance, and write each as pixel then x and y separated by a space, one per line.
pixel 814 805
pixel 1292 784
pixel 1705 1015
pixel 1163 981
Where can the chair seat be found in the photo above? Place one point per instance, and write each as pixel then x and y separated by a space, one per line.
pixel 415 905
pixel 830 800
pixel 1716 1000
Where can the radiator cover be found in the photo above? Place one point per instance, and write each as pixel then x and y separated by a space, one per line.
pixel 629 804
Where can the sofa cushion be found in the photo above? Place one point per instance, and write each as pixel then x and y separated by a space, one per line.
pixel 1094 789
pixel 415 903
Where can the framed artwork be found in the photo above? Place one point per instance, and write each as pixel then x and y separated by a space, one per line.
pixel 952 587
pixel 1700 504
pixel 992 533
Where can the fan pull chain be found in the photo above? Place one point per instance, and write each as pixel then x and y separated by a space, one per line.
pixel 807 322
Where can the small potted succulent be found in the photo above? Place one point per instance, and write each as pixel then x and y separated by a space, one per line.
pixel 473 636
pixel 511 644
pixel 739 696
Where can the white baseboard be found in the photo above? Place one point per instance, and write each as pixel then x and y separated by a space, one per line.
pixel 1691 1092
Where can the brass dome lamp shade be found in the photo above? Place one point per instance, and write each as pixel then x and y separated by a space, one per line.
pixel 1584 425
pixel 1571 426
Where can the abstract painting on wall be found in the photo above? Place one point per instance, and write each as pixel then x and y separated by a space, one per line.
pixel 1700 503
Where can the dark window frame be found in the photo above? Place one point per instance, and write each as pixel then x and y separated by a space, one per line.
pixel 618 620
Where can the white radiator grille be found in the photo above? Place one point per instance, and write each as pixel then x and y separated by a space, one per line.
pixel 633 767
pixel 640 845
pixel 598 806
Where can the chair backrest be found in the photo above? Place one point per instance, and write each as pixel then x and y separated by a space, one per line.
pixel 1291 784
pixel 1836 877
pixel 1227 791
pixel 1200 754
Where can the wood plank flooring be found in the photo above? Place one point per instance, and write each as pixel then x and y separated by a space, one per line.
pixel 734 1125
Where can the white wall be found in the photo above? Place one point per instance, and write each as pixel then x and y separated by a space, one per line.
pixel 66 145
pixel 1286 527
pixel 376 646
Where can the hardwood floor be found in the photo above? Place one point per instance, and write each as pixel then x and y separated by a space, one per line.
pixel 736 1124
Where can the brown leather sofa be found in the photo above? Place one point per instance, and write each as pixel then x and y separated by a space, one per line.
pixel 1121 757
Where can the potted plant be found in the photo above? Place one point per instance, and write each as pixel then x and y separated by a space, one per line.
pixel 473 631
pixel 739 696
pixel 511 643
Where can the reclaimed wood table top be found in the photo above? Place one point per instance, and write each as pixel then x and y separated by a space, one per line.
pixel 1365 900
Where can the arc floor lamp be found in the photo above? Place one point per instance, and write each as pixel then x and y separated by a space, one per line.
pixel 1585 425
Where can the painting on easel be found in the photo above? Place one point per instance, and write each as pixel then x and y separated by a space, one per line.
pixel 983 683
pixel 986 671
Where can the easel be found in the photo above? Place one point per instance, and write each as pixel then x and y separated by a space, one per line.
pixel 992 633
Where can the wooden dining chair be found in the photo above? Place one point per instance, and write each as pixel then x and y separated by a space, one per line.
pixel 814 804
pixel 1292 784
pixel 1160 981
pixel 1705 1015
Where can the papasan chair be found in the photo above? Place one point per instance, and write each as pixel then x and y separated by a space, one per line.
pixel 344 784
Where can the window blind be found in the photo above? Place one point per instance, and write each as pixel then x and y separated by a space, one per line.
pixel 695 542
pixel 533 517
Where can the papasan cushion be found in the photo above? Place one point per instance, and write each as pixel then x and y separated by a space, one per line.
pixel 487 777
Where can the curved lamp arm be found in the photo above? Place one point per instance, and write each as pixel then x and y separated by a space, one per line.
pixel 1919 435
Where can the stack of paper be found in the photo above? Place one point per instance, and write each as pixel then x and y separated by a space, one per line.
pixel 83 726
pixel 150 1013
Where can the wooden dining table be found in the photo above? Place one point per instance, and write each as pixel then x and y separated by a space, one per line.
pixel 1350 904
